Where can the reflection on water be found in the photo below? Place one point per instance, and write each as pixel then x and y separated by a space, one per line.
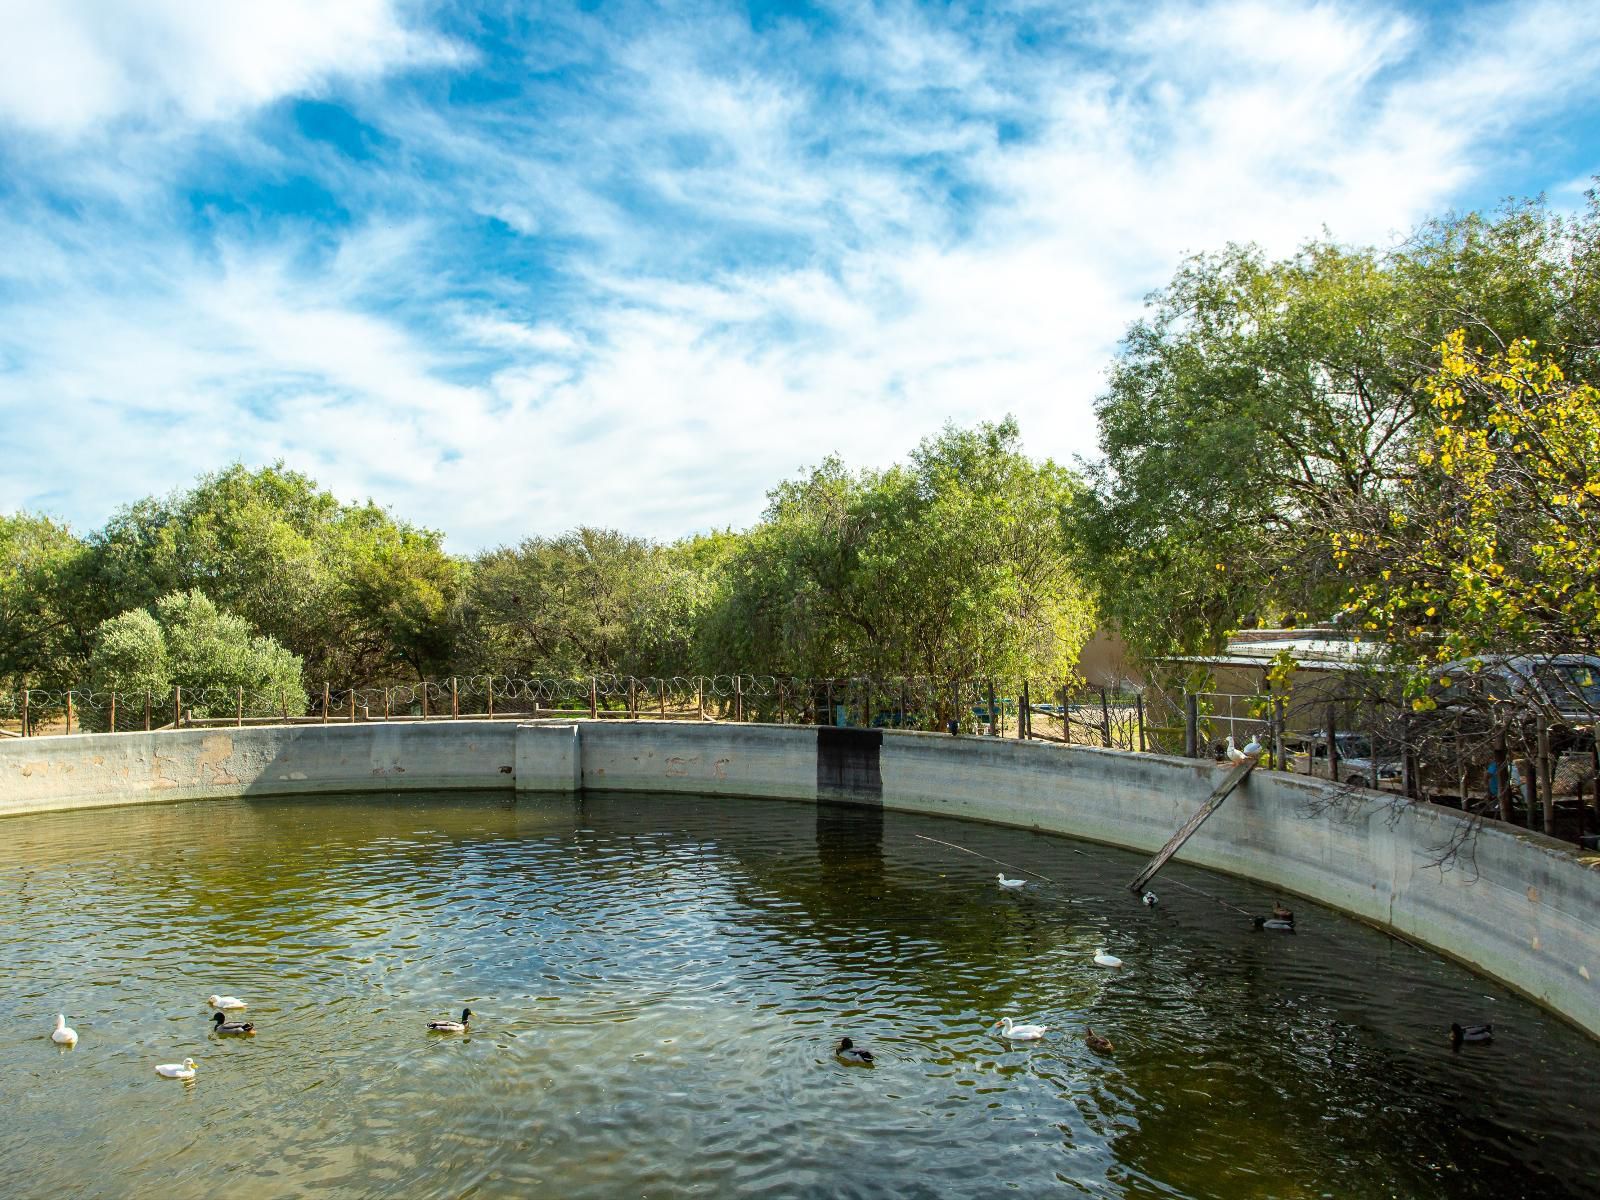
pixel 658 983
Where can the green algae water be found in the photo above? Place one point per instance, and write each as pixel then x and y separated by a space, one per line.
pixel 658 983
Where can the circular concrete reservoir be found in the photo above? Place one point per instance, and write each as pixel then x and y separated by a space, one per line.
pixel 658 982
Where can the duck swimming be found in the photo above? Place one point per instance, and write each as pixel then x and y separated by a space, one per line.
pixel 1471 1033
pixel 226 1002
pixel 1281 912
pixel 1019 1033
pixel 1274 923
pixel 1009 883
pixel 234 1028
pixel 452 1026
pixel 1102 959
pixel 183 1070
pixel 63 1034
pixel 1101 1045
pixel 852 1053
pixel 1149 900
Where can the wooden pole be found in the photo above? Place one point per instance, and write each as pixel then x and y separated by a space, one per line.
pixel 424 699
pixel 1332 720
pixel 994 722
pixel 1222 791
pixel 327 699
pixel 491 697
pixel 782 710
pixel 1023 716
pixel 26 697
pixel 1191 725
pixel 594 699
pixel 283 704
pixel 1502 773
pixel 69 710
pixel 700 696
pixel 1547 783
pixel 455 700
pixel 830 702
pixel 633 698
pixel 1138 707
pixel 238 715
pixel 955 707
pixel 147 704
pixel 738 698
pixel 386 702
pixel 1105 719
pixel 111 721
pixel 662 685
pixel 177 707
pixel 1280 751
pixel 352 705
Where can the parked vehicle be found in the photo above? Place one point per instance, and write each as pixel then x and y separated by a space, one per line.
pixel 1356 760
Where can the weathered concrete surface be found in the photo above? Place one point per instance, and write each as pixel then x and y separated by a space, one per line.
pixel 1517 906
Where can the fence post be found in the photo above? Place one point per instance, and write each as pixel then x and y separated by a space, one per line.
pixel 700 696
pixel 1138 707
pixel 352 704
pixel 238 716
pixel 955 710
pixel 69 710
pixel 1333 744
pixel 662 685
pixel 455 700
pixel 1191 725
pixel 1105 718
pixel 327 699
pixel 594 699
pixel 177 707
pixel 147 700
pixel 994 722
pixel 1547 783
pixel 830 701
pixel 1280 750
pixel 491 697
pixel 633 698
pixel 1502 773
pixel 25 699
pixel 782 710
pixel 425 700
pixel 283 704
pixel 738 698
pixel 1023 716
pixel 111 722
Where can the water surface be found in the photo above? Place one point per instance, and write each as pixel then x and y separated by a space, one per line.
pixel 658 983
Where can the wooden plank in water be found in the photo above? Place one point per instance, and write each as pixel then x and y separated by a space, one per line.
pixel 1223 790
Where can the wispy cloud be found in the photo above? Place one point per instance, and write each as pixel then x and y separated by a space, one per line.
pixel 508 273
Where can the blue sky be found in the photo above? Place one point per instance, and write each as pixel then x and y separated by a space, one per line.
pixel 509 268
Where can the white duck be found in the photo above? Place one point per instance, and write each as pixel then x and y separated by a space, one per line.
pixel 226 1002
pixel 1235 755
pixel 183 1070
pixel 63 1034
pixel 1009 883
pixel 1019 1033
pixel 1102 959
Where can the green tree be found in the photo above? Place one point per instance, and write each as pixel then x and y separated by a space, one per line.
pixel 42 635
pixel 188 642
pixel 953 565
pixel 1258 400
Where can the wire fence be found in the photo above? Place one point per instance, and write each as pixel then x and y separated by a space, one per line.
pixel 1110 717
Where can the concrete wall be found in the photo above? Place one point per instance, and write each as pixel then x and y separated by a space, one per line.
pixel 1520 907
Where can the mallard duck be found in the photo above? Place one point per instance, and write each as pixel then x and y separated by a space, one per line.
pixel 852 1053
pixel 1149 900
pixel 183 1070
pixel 1274 923
pixel 1471 1033
pixel 226 1002
pixel 63 1034
pixel 1097 1043
pixel 1019 1033
pixel 234 1028
pixel 1009 883
pixel 452 1026
pixel 1102 959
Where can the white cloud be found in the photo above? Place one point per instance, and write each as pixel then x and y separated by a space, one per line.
pixel 974 233
pixel 69 66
